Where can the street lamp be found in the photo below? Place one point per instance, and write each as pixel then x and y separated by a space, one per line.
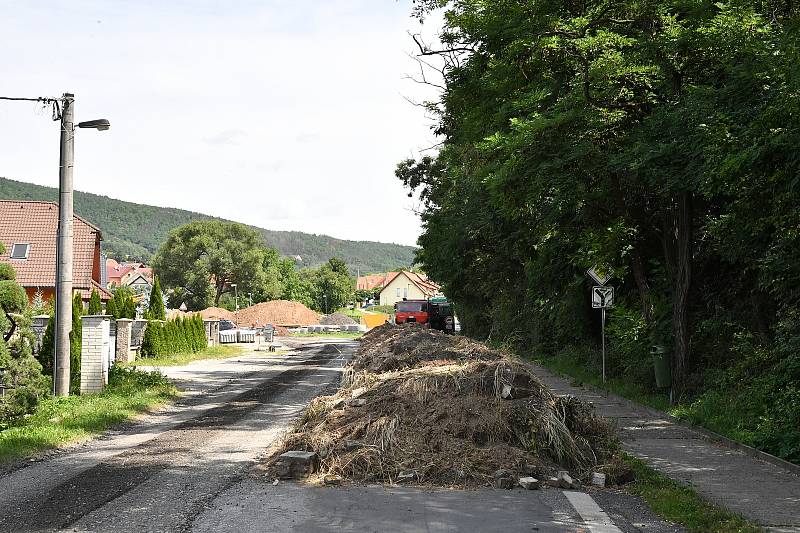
pixel 235 295
pixel 64 250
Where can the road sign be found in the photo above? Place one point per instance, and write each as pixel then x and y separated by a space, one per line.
pixel 598 274
pixel 602 297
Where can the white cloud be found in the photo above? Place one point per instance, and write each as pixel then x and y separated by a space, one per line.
pixel 282 114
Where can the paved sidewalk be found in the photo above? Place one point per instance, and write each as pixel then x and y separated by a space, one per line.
pixel 760 491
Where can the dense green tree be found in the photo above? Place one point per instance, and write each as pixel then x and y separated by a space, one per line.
pixel 332 286
pixel 655 138
pixel 22 372
pixel 95 304
pixel 202 261
pixel 155 309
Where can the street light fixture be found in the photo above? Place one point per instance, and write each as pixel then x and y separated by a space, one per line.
pixel 100 124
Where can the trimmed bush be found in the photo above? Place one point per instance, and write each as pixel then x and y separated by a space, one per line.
pixel 179 335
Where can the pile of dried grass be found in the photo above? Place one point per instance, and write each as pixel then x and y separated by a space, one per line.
pixel 418 404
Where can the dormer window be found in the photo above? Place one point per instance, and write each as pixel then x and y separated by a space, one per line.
pixel 20 250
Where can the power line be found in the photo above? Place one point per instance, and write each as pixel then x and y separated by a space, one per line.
pixel 43 99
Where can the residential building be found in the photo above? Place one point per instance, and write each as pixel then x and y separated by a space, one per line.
pixel 409 286
pixel 29 233
pixel 372 281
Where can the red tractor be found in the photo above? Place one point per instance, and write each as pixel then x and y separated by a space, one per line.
pixel 436 313
pixel 411 311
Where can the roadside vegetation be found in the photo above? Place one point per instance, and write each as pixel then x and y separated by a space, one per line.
pixel 655 140
pixel 335 334
pixel 385 309
pixel 682 505
pixel 220 351
pixel 56 421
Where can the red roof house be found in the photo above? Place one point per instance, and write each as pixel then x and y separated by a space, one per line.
pixel 29 232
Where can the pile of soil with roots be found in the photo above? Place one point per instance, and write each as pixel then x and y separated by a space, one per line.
pixel 418 405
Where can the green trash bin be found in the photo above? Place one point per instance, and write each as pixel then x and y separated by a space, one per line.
pixel 662 366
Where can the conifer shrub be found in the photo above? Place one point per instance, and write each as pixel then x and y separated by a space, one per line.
pixel 179 335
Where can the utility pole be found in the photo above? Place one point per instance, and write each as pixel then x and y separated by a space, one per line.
pixel 64 265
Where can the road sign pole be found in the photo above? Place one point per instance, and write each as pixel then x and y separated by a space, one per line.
pixel 603 331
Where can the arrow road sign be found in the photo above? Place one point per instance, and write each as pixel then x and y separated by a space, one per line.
pixel 602 297
pixel 598 275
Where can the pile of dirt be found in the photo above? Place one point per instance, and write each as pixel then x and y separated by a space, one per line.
pixel 277 312
pixel 218 313
pixel 281 331
pixel 337 319
pixel 390 347
pixel 419 405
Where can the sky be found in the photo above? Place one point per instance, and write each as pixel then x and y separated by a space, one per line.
pixel 287 115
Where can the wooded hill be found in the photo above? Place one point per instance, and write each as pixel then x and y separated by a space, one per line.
pixel 136 231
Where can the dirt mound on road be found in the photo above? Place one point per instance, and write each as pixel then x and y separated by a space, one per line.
pixel 218 313
pixel 390 347
pixel 448 411
pixel 277 312
pixel 337 319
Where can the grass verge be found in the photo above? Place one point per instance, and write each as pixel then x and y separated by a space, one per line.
pixel 59 421
pixel 338 334
pixel 580 374
pixel 682 505
pixel 220 351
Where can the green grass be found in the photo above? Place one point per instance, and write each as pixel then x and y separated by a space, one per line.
pixel 339 334
pixel 580 374
pixel 59 421
pixel 355 314
pixel 385 309
pixel 220 351
pixel 682 505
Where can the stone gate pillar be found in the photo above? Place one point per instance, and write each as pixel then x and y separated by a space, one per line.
pixel 123 348
pixel 212 331
pixel 94 353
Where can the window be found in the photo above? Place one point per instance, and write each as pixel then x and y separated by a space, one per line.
pixel 405 292
pixel 20 250
pixel 398 292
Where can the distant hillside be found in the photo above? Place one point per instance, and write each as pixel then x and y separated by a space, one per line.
pixel 136 231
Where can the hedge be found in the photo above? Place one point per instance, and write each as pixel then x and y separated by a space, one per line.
pixel 179 335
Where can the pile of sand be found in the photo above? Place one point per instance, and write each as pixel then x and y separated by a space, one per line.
pixel 218 313
pixel 337 319
pixel 278 313
pixel 419 405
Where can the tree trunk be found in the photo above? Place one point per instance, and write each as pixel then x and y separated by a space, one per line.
pixel 681 285
pixel 637 265
pixel 218 295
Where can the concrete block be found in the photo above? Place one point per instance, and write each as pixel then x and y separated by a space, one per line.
pixel 598 479
pixel 529 483
pixel 565 480
pixel 297 463
pixel 503 479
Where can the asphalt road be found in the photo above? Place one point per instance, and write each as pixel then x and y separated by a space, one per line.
pixel 190 468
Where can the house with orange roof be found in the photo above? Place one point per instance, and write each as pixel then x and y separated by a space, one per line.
pixel 371 281
pixel 409 286
pixel 136 275
pixel 29 233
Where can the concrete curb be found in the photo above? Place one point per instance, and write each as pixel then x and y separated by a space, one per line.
pixel 707 434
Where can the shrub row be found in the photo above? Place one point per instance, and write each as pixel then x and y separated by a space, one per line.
pixel 179 335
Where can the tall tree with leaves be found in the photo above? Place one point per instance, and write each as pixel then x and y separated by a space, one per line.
pixel 202 261
pixel 613 133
